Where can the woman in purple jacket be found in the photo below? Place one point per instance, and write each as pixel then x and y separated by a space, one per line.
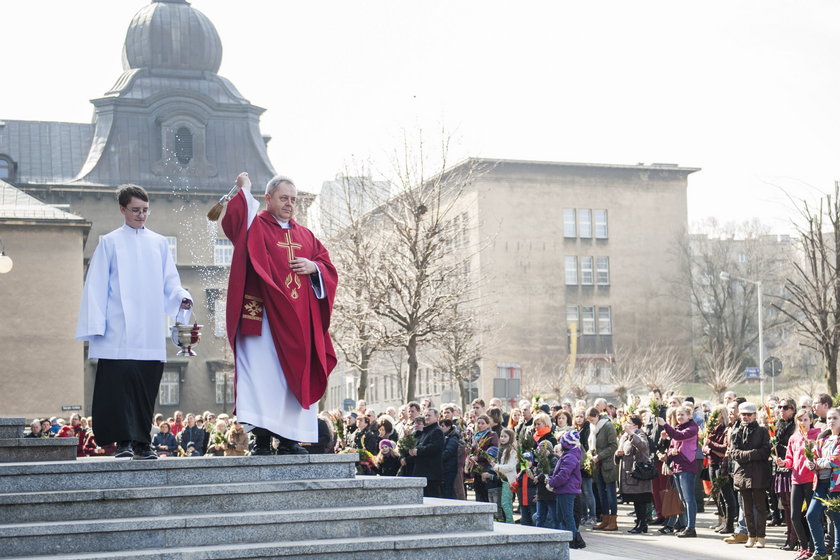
pixel 682 451
pixel 565 480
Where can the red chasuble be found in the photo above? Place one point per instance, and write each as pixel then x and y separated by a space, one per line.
pixel 262 287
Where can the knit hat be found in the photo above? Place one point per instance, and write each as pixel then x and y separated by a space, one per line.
pixel 386 443
pixel 570 439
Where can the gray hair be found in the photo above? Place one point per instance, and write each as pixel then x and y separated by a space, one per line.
pixel 276 181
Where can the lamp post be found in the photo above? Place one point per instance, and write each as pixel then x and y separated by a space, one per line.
pixel 726 277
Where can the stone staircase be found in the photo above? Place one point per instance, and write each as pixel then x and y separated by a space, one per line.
pixel 14 447
pixel 285 507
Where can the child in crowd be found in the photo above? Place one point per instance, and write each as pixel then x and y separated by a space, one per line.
pixel 565 481
pixel 526 490
pixel 387 461
pixel 505 468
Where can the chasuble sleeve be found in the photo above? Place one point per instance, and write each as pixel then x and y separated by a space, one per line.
pixel 94 305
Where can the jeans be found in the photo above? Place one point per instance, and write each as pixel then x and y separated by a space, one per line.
pixel 588 498
pixel 685 486
pixel 448 488
pixel 565 512
pixel 544 516
pixel 814 517
pixel 606 490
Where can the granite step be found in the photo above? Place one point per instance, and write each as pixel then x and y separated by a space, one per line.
pixel 178 531
pixel 21 450
pixel 111 503
pixel 503 543
pixel 108 472
pixel 12 427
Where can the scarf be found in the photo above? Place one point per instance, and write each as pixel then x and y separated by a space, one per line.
pixel 540 432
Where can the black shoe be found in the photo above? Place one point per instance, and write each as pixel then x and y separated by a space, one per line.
pixel 143 451
pixel 788 547
pixel 262 446
pixel 124 450
pixel 289 447
pixel 688 533
pixel 667 530
pixel 658 521
pixel 577 542
pixel 639 529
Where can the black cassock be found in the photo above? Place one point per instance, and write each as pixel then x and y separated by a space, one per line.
pixel 124 395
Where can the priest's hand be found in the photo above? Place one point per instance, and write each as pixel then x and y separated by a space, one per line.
pixel 302 266
pixel 186 304
pixel 243 182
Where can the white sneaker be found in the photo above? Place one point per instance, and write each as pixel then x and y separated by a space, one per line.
pixel 750 542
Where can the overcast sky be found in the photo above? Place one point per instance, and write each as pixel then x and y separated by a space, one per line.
pixel 748 91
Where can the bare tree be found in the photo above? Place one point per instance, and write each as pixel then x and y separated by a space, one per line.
pixel 722 372
pixel 812 293
pixel 662 368
pixel 626 371
pixel 724 314
pixel 458 349
pixel 422 252
pixel 545 377
pixel 357 330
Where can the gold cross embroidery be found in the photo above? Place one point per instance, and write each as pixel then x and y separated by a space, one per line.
pixel 292 278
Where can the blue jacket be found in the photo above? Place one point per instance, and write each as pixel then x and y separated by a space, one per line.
pixel 166 439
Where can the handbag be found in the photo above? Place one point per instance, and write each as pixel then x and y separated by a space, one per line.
pixel 671 503
pixel 643 470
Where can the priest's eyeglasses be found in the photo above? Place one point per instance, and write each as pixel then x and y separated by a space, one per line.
pixel 140 211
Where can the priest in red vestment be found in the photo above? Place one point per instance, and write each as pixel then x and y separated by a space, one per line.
pixel 279 301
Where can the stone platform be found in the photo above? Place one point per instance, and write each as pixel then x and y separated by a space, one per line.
pixel 289 507
pixel 15 448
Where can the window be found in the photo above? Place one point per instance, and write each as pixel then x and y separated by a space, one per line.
pixel 585 217
pixel 465 230
pixel 601 224
pixel 5 168
pixel 173 247
pixel 571 271
pixel 508 370
pixel 170 388
pixel 569 223
pixel 219 312
pixel 183 145
pixel 224 387
pixel 604 321
pixel 742 258
pixel 586 278
pixel 603 270
pixel 223 252
pixel 588 314
pixel 572 315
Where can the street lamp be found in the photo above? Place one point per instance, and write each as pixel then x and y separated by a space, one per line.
pixel 726 277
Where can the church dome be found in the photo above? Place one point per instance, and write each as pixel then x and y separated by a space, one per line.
pixel 172 35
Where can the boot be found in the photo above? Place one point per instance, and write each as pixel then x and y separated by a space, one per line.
pixel 635 529
pixel 612 524
pixel 577 542
pixel 720 523
pixel 600 525
pixel 263 444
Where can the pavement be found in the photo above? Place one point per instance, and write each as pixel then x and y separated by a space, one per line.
pixel 620 545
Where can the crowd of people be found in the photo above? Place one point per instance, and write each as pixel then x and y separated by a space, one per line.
pixel 568 465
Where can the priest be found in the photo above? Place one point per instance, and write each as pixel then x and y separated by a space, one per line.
pixel 279 301
pixel 131 284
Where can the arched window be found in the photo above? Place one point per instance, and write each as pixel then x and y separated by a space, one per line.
pixel 7 168
pixel 183 145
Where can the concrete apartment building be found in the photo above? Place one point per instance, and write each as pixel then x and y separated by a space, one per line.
pixel 594 245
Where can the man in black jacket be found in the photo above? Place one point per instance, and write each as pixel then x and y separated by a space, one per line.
pixel 195 434
pixel 428 455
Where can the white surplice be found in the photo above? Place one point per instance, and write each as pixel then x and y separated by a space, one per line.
pixel 263 398
pixel 131 284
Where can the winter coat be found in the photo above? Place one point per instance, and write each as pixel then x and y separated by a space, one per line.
pixel 237 444
pixel 428 462
pixel 716 441
pixel 827 456
pixel 451 446
pixel 526 491
pixel 635 447
pixel 684 440
pixel 584 445
pixel 795 457
pixel 166 439
pixel 389 465
pixel 750 450
pixel 606 444
pixel 368 438
pixel 543 493
pixel 506 469
pixel 196 435
pixel 566 476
